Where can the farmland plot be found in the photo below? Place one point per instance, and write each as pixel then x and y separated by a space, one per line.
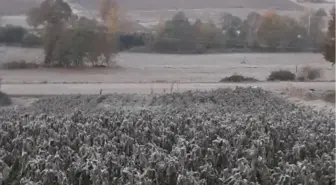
pixel 226 136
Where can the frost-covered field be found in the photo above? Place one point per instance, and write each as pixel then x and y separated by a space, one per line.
pixel 240 136
pixel 164 68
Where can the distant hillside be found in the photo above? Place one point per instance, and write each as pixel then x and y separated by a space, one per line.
pixel 200 4
pixel 15 7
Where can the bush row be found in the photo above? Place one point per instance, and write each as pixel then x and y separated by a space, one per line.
pixel 307 73
pixel 16 35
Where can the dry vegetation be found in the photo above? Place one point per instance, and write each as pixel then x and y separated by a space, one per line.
pixel 241 136
pixel 238 78
pixel 5 100
pixel 19 65
pixel 309 73
pixel 329 97
pixel 281 75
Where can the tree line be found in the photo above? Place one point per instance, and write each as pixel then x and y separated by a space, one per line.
pixel 269 32
pixel 69 40
pixel 11 35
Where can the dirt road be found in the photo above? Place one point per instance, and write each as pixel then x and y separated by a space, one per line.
pixel 144 88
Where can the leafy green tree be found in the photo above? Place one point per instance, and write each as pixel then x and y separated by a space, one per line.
pixel 321 12
pixel 231 26
pixel 53 15
pixel 179 35
pixel 271 30
pixel 127 41
pixel 70 48
pixel 31 40
pixel 79 46
pixel 329 49
pixel 278 31
pixel 176 35
pixel 250 28
pixel 207 35
pixel 229 21
pixel 99 43
pixel 314 24
pixel 70 40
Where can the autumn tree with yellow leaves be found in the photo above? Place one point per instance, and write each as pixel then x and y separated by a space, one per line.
pixel 109 14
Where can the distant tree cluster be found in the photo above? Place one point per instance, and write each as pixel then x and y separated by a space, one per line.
pixel 19 36
pixel 179 35
pixel 329 50
pixel 270 31
pixel 69 40
pixel 128 41
pixel 16 35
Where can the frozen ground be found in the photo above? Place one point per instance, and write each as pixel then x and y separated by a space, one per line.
pixel 161 68
pixel 146 88
pixel 157 73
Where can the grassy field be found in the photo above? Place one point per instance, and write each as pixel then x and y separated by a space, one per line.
pixel 164 68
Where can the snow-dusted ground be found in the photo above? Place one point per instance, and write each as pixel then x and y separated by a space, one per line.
pixel 146 88
pixel 165 68
pixel 281 88
pixel 159 73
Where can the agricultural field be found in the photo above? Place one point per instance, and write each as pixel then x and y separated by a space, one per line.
pixel 156 119
pixel 225 136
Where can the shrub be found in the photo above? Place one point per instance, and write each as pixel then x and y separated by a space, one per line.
pixel 5 100
pixel 31 40
pixel 329 96
pixel 281 75
pixel 12 34
pixel 78 46
pixel 238 78
pixel 19 65
pixel 127 41
pixel 309 73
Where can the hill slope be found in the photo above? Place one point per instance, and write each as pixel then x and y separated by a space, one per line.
pixel 15 7
pixel 200 4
